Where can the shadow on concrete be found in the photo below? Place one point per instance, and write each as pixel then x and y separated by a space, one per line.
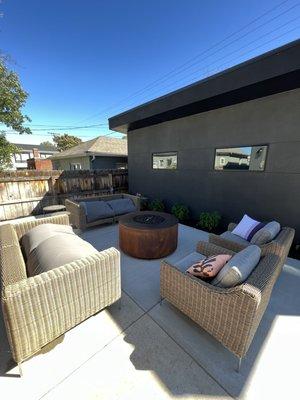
pixel 209 354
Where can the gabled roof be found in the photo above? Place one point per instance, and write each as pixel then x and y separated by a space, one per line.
pixel 272 72
pixel 100 146
pixel 29 147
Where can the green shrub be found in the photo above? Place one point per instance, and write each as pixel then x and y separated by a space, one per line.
pixel 157 205
pixel 209 220
pixel 181 212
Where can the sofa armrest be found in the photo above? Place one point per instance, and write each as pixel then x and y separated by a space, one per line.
pixel 135 199
pixel 23 227
pixel 41 308
pixel 225 243
pixel 77 214
pixel 210 249
pixel 231 226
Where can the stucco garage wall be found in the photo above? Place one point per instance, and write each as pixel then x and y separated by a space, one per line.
pixel 65 163
pixel 272 194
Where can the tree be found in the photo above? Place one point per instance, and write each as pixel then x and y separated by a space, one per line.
pixel 65 141
pixel 7 150
pixel 48 145
pixel 12 99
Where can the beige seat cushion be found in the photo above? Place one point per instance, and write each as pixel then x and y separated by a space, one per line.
pixel 184 263
pixel 39 233
pixel 57 251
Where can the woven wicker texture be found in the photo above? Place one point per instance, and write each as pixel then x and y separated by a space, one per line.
pixel 231 315
pixel 279 246
pixel 39 309
pixel 77 214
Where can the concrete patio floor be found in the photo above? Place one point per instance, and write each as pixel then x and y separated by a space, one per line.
pixel 148 351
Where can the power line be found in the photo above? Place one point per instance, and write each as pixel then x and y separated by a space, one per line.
pixel 69 128
pixel 238 57
pixel 61 125
pixel 11 132
pixel 175 70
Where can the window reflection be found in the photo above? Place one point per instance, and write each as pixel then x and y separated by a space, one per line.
pixel 242 158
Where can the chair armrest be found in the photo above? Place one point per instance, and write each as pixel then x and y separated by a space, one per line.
pixel 41 308
pixel 210 249
pixel 135 199
pixel 77 214
pixel 225 243
pixel 23 227
pixel 231 226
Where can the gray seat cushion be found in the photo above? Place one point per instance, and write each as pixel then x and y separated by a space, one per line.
pixel 184 263
pixel 57 251
pixel 39 233
pixel 266 234
pixel 238 268
pixel 234 238
pixel 122 206
pixel 95 210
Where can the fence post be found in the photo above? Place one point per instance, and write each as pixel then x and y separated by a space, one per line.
pixel 110 180
pixel 52 189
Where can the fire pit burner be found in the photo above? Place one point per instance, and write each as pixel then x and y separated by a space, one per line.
pixel 149 219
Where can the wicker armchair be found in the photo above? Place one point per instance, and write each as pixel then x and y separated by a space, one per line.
pixel 280 245
pixel 230 315
pixel 77 213
pixel 39 309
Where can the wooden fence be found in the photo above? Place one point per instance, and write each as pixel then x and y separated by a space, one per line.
pixel 24 193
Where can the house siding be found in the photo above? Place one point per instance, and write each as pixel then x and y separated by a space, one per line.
pixel 107 162
pixel 271 194
pixel 64 164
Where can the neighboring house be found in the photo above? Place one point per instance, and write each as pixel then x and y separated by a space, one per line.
pixel 233 139
pixel 99 153
pixel 28 151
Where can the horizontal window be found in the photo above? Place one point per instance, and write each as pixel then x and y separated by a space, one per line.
pixel 21 157
pixel 164 160
pixel 241 158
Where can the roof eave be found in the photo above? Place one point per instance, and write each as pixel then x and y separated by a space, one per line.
pixel 270 65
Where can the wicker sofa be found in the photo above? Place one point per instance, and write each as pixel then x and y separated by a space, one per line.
pixel 230 315
pixel 78 215
pixel 39 309
pixel 276 246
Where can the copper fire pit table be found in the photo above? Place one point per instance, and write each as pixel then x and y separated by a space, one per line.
pixel 148 234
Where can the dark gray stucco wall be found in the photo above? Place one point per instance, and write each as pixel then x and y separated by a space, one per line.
pixel 272 194
pixel 107 162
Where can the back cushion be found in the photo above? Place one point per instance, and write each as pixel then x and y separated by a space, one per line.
pixel 57 251
pixel 238 268
pixel 266 234
pixel 246 228
pixel 95 210
pixel 39 233
pixel 122 206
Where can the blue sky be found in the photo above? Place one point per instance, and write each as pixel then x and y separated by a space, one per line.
pixel 79 60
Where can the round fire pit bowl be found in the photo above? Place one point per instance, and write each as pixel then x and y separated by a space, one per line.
pixel 148 234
